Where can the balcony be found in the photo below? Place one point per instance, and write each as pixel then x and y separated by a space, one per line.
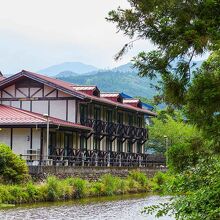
pixel 76 157
pixel 115 129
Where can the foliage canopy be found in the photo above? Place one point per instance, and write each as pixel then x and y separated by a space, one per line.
pixel 12 167
pixel 179 29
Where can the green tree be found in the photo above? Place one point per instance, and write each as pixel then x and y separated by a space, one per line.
pixel 203 98
pixel 179 29
pixel 183 142
pixel 12 168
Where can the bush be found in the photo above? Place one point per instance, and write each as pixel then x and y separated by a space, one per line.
pixel 12 168
pixel 109 183
pixel 97 188
pixel 139 177
pixel 196 190
pixel 80 188
pixel 54 188
pixel 186 154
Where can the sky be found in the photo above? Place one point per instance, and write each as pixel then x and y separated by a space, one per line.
pixel 35 34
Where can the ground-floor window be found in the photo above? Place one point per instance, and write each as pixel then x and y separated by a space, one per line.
pixel 139 147
pixel 119 145
pixel 52 143
pixel 83 143
pixel 130 147
pixel 96 143
pixel 108 144
pixel 68 143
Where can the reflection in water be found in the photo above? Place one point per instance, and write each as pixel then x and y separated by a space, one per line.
pixel 120 208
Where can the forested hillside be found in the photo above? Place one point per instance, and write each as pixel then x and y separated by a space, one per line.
pixel 127 82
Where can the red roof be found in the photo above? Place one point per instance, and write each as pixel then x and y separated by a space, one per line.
pixel 14 116
pixel 69 88
pixel 2 78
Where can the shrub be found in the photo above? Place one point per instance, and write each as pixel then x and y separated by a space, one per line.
pixel 12 168
pixel 54 188
pixel 80 187
pixel 97 188
pixel 139 177
pixel 34 192
pixel 122 186
pixel 186 154
pixel 109 183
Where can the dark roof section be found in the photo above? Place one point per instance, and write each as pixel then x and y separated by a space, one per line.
pixel 69 89
pixel 55 83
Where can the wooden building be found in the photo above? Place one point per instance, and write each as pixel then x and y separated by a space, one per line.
pixel 85 125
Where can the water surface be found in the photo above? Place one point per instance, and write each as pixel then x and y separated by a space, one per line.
pixel 107 208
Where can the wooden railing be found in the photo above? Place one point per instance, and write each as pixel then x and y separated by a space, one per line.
pixel 115 129
pixel 76 157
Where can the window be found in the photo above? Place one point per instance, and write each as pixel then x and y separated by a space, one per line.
pixel 52 143
pixel 120 118
pixel 108 144
pixel 139 148
pixel 68 143
pixel 119 146
pixel 83 113
pixel 97 113
pixel 130 146
pixel 139 122
pixel 83 143
pixel 109 116
pixel 130 119
pixel 96 143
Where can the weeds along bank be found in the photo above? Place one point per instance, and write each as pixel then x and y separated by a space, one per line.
pixel 54 189
pixel 16 186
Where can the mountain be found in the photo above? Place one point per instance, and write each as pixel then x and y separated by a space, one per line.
pixel 66 74
pixel 123 78
pixel 75 67
pixel 115 81
pixel 125 68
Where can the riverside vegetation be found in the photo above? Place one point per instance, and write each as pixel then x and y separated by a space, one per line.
pixel 17 186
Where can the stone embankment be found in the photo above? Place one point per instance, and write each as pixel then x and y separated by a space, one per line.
pixel 89 173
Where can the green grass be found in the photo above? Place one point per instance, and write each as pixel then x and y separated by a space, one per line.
pixel 54 189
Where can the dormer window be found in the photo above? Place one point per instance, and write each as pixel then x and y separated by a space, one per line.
pixel 90 90
pixel 133 102
pixel 113 96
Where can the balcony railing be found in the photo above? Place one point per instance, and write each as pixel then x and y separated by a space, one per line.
pixel 76 157
pixel 115 129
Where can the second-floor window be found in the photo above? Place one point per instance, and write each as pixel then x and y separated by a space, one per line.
pixel 130 119
pixel 109 116
pixel 97 113
pixel 120 118
pixel 83 113
pixel 139 122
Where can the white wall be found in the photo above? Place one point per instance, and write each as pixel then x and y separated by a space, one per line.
pixel 58 108
pixel 21 140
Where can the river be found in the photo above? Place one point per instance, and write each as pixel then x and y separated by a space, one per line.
pixel 107 208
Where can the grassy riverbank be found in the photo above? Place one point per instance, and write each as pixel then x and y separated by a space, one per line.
pixel 53 189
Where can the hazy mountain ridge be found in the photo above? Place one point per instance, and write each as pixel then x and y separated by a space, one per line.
pixel 76 67
pixel 115 81
pixel 123 78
